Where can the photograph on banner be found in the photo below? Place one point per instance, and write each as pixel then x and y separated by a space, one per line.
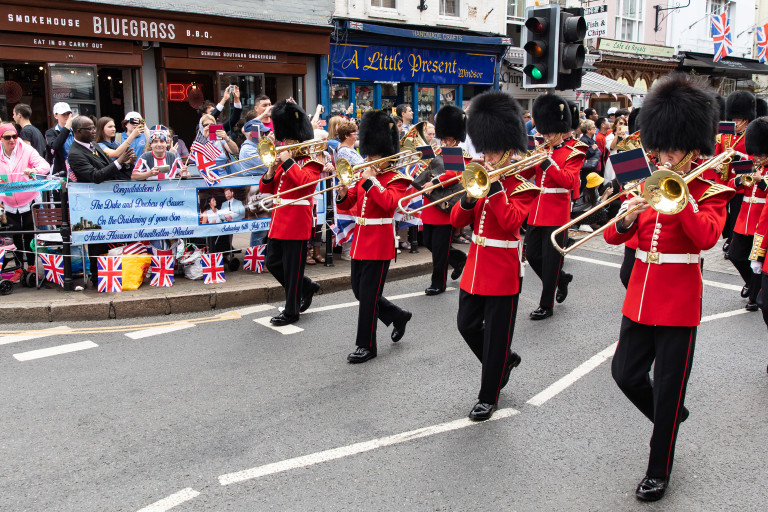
pixel 230 204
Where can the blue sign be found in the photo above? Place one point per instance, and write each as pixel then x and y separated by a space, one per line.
pixel 396 64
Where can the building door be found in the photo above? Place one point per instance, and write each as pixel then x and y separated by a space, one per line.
pixel 186 92
pixel 77 86
pixel 24 83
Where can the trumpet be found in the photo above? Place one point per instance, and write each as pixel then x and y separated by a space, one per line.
pixel 268 152
pixel 750 179
pixel 476 181
pixel 347 175
pixel 665 191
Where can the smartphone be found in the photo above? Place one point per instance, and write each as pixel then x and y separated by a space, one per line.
pixel 175 139
pixel 212 129
pixel 163 169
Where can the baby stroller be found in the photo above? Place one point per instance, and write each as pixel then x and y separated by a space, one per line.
pixel 12 269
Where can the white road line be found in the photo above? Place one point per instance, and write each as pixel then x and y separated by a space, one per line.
pixel 15 338
pixel 355 303
pixel 253 309
pixel 580 371
pixel 716 284
pixel 354 449
pixel 154 331
pixel 171 501
pixel 282 329
pixel 54 351
pixel 726 314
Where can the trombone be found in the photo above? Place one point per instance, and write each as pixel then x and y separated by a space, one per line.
pixel 268 152
pixel 665 191
pixel 749 179
pixel 476 180
pixel 347 175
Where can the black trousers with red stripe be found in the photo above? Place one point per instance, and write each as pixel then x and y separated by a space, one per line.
pixel 487 324
pixel 627 264
pixel 738 254
pixel 438 239
pixel 286 260
pixel 545 260
pixel 368 278
pixel 670 351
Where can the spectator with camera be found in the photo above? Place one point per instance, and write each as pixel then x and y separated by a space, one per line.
pixel 59 139
pixel 133 122
pixel 230 92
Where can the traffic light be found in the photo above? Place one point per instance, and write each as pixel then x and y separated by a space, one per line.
pixel 542 26
pixel 571 52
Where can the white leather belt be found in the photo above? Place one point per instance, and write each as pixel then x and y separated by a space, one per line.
pixel 490 242
pixel 372 222
pixel 555 191
pixel 278 200
pixel 750 199
pixel 659 258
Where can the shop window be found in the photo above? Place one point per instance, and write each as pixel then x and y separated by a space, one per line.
pixel 24 83
pixel 77 86
pixel 388 96
pixel 717 7
pixel 363 99
pixel 629 20
pixel 449 7
pixel 447 96
pixel 386 4
pixel 427 104
pixel 339 99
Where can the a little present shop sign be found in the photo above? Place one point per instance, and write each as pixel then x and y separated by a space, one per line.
pixel 395 64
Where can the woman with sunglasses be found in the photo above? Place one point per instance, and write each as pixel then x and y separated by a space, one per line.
pixel 226 146
pixel 620 132
pixel 20 162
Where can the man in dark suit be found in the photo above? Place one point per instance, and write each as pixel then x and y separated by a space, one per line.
pixel 90 164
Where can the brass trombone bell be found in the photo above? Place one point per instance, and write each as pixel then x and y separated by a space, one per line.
pixel 630 142
pixel 268 152
pixel 414 137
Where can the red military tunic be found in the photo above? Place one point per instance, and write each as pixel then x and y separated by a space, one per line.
pixel 376 199
pixel 497 217
pixel 577 144
pixel 434 215
pixel 754 201
pixel 669 293
pixel 760 243
pixel 558 181
pixel 293 222
pixel 724 142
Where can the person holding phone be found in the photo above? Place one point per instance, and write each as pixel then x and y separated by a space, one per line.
pixel 133 122
pixel 227 147
pixel 159 163
pixel 620 131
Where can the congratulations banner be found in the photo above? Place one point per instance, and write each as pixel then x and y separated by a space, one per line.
pixel 395 64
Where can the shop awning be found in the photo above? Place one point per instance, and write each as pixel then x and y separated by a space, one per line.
pixel 596 83
pixel 730 66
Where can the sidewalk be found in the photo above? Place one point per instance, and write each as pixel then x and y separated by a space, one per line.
pixel 51 303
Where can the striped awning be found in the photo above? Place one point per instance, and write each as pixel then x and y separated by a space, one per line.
pixel 596 83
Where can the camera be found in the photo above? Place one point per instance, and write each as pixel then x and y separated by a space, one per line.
pixel 175 139
pixel 135 120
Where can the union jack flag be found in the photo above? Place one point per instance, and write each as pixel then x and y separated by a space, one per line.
pixel 53 264
pixel 762 43
pixel 70 175
pixel 204 166
pixel 110 273
pixel 205 146
pixel 721 36
pixel 213 268
pixel 135 248
pixel 2 257
pixel 254 258
pixel 162 271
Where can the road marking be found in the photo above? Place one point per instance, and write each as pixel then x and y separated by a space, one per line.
pixel 282 329
pixel 354 449
pixel 54 351
pixel 14 338
pixel 356 303
pixel 580 371
pixel 726 314
pixel 171 501
pixel 154 331
pixel 716 284
pixel 254 309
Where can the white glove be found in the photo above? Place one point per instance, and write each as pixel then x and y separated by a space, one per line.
pixel 757 266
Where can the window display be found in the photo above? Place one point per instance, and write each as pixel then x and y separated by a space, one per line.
pixel 339 99
pixel 363 99
pixel 427 104
pixel 75 85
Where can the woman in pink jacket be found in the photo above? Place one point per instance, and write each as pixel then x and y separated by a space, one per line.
pixel 19 162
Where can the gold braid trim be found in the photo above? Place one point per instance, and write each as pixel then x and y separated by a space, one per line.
pixel 757 252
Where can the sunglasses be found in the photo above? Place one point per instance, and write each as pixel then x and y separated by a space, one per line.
pixel 207 125
pixel 9 137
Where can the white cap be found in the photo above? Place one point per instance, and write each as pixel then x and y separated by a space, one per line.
pixel 133 115
pixel 612 110
pixel 61 108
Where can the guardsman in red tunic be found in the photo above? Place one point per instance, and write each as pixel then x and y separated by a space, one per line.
pixel 373 243
pixel 451 129
pixel 558 178
pixel 490 285
pixel 752 189
pixel 757 255
pixel 662 307
pixel 291 225
pixel 740 107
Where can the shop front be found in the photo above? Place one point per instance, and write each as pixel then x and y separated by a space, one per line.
pixel 378 67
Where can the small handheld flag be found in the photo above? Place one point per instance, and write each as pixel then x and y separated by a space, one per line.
pixel 726 128
pixel 630 165
pixel 254 258
pixel 453 159
pixel 742 166
pixel 426 152
pixel 53 264
pixel 213 268
pixel 162 271
pixel 110 273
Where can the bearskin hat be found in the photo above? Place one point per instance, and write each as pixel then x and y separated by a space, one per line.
pixel 451 121
pixel 378 134
pixel 761 107
pixel 721 103
pixel 740 105
pixel 495 123
pixel 632 121
pixel 575 119
pixel 756 137
pixel 291 122
pixel 678 114
pixel 551 114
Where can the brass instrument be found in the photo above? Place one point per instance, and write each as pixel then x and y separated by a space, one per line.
pixel 749 179
pixel 665 191
pixel 347 175
pixel 414 137
pixel 630 142
pixel 268 152
pixel 476 180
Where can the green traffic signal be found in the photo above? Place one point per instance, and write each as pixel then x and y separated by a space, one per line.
pixel 535 72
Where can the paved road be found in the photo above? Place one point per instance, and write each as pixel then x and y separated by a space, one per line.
pixel 219 412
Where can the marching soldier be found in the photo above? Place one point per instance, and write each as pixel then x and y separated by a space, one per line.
pixel 450 128
pixel 757 145
pixel 490 287
pixel 753 191
pixel 558 178
pixel 373 244
pixel 662 307
pixel 291 225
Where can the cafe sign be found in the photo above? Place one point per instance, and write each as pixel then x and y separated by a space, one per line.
pixel 649 50
pixel 396 64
